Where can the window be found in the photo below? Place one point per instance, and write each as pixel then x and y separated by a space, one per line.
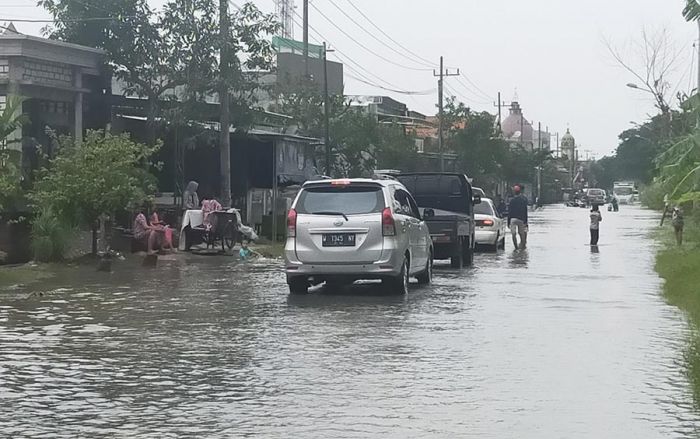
pixel 404 204
pixel 348 200
pixel 484 208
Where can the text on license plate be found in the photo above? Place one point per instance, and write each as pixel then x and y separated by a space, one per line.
pixel 338 240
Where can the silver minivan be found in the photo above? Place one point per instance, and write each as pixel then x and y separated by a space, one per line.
pixel 340 231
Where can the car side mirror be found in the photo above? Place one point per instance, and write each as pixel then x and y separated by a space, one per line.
pixel 428 213
pixel 476 199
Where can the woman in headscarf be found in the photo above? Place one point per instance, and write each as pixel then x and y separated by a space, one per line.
pixel 190 197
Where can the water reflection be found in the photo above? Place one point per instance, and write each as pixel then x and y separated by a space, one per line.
pixel 546 342
pixel 519 258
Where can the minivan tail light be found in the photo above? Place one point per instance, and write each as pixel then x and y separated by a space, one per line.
pixel 292 224
pixel 388 224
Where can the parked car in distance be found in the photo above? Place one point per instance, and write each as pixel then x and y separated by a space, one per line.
pixel 477 191
pixel 595 196
pixel 490 226
pixel 447 204
pixel 340 231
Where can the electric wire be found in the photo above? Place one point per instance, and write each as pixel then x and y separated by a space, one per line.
pixel 334 24
pixel 382 42
pixel 369 20
pixel 349 62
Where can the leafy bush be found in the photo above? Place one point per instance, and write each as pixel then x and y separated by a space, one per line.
pixel 652 196
pixel 51 237
pixel 104 174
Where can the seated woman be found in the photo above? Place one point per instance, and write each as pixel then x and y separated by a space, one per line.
pixel 167 231
pixel 147 234
pixel 209 205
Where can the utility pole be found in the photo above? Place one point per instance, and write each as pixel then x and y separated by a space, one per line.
pixel 225 114
pixel 499 111
pixel 441 128
pixel 306 39
pixel 326 111
pixel 522 129
pixel 539 165
pixel 500 105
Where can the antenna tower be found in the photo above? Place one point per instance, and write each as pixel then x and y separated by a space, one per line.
pixel 284 9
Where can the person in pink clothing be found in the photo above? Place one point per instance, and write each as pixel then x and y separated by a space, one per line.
pixel 209 205
pixel 147 234
pixel 167 231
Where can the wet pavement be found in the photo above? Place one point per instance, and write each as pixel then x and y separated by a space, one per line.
pixel 559 341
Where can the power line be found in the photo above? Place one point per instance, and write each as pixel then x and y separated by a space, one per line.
pixel 369 20
pixel 349 61
pixel 474 96
pixel 423 60
pixel 456 94
pixel 485 95
pixel 363 46
pixel 377 38
pixel 403 92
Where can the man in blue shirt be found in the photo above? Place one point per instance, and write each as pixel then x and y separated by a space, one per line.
pixel 517 217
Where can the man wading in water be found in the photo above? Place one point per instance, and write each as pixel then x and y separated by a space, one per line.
pixel 517 218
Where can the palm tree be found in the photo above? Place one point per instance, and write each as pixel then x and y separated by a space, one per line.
pixel 11 119
pixel 691 12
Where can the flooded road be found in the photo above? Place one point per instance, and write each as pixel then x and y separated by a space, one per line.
pixel 558 341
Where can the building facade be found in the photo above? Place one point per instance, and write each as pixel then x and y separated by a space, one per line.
pixel 64 86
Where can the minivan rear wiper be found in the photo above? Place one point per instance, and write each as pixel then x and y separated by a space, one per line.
pixel 331 213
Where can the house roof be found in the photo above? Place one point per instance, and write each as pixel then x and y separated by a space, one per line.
pixel 22 37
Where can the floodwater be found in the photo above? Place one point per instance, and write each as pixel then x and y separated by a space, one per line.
pixel 559 341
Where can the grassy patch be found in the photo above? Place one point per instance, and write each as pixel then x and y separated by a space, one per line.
pixel 21 275
pixel 680 268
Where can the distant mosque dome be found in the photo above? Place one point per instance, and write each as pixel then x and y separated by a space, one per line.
pixel 515 124
pixel 568 141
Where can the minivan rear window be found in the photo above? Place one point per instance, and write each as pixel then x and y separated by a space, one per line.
pixel 348 200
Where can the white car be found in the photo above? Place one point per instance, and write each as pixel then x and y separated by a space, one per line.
pixel 340 231
pixel 491 228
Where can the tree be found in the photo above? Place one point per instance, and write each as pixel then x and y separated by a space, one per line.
pixel 103 175
pixel 11 119
pixel 128 31
pixel 172 55
pixel 691 12
pixel 651 63
pixel 679 165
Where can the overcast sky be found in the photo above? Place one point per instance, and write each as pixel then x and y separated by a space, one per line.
pixel 551 51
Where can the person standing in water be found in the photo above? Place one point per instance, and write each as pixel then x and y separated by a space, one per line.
pixel 678 224
pixel 596 219
pixel 517 217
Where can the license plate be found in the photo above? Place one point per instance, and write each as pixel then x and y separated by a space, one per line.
pixel 338 240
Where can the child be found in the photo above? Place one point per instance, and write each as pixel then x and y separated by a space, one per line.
pixel 678 223
pixel 246 253
pixel 596 218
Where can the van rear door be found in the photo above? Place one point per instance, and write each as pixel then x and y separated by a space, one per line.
pixel 340 223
